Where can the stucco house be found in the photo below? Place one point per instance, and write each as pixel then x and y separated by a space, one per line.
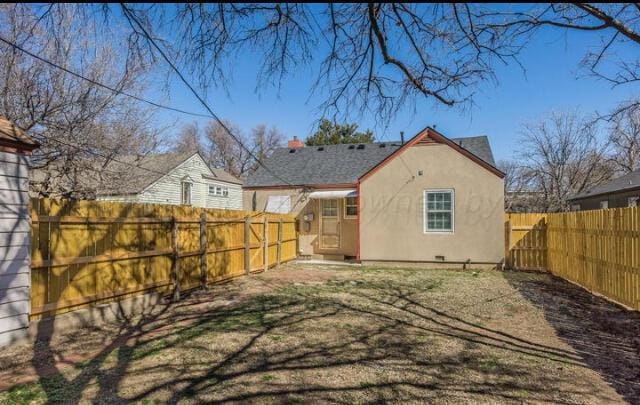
pixel 623 191
pixel 431 199
pixel 174 178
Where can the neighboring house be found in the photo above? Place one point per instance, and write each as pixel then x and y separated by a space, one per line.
pixel 15 232
pixel 432 199
pixel 620 192
pixel 175 178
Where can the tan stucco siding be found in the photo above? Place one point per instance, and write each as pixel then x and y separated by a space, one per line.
pixel 308 236
pixel 392 209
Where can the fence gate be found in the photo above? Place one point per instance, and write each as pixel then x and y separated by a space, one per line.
pixel 526 241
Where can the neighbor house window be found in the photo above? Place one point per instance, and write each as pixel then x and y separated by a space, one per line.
pixel 438 211
pixel 633 201
pixel 350 207
pixel 218 191
pixel 186 193
pixel 575 207
pixel 604 204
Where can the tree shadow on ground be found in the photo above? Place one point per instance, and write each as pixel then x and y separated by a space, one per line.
pixel 329 342
pixel 605 335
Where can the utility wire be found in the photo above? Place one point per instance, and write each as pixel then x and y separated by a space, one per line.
pixel 133 19
pixel 140 99
pixel 96 83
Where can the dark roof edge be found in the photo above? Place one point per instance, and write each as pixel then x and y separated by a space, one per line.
pixel 215 178
pixel 288 186
pixel 618 191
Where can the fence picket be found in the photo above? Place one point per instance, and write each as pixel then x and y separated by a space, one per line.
pixel 89 252
pixel 599 249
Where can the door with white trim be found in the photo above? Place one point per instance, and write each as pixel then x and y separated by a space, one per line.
pixel 329 224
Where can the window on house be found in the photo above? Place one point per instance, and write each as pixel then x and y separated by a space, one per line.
pixel 575 207
pixel 438 215
pixel 329 208
pixel 186 193
pixel 604 204
pixel 350 207
pixel 218 191
pixel 633 201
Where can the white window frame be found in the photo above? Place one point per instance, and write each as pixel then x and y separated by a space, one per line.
pixel 604 204
pixel 425 215
pixel 344 203
pixel 224 190
pixel 633 201
pixel 182 184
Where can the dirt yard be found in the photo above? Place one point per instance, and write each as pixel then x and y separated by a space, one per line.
pixel 349 335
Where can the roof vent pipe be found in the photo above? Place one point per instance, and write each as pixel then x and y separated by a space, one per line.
pixel 402 137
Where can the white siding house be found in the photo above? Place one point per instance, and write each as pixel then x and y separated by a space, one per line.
pixel 15 232
pixel 180 179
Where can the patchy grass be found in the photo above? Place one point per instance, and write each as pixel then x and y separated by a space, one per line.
pixel 354 335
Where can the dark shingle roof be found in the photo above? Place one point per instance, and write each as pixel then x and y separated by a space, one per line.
pixel 338 164
pixel 627 182
pixel 479 146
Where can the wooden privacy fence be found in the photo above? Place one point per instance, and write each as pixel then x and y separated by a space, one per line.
pixel 599 249
pixel 85 252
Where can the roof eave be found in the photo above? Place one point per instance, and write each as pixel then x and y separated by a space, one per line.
pixel 618 191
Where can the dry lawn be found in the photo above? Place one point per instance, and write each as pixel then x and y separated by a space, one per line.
pixel 348 335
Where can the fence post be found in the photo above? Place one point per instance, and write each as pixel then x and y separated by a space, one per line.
pixel 509 258
pixel 175 263
pixel 203 247
pixel 247 245
pixel 265 237
pixel 279 255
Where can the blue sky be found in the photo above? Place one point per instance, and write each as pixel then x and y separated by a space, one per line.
pixel 552 81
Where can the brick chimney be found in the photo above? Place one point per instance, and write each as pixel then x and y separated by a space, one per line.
pixel 295 143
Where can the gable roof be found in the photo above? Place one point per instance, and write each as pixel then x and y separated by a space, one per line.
pixel 12 135
pixel 141 172
pixel 341 164
pixel 628 182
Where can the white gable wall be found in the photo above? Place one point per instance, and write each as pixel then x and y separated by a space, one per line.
pixel 168 190
pixel 15 241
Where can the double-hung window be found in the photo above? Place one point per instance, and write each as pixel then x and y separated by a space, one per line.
pixel 350 207
pixel 218 191
pixel 438 211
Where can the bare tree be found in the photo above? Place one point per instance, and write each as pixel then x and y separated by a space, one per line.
pixel 519 193
pixel 378 57
pixel 189 139
pixel 561 156
pixel 80 126
pixel 624 138
pixel 224 152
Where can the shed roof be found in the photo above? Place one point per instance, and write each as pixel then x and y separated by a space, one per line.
pixel 11 134
pixel 339 164
pixel 627 182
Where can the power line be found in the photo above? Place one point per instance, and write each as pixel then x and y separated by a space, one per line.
pixel 140 99
pixel 132 18
pixel 96 83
